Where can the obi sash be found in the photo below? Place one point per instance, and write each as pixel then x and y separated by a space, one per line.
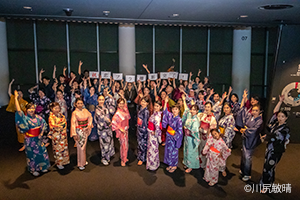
pixel 212 148
pixel 187 132
pixel 82 123
pixel 222 130
pixel 139 121
pixel 34 132
pixel 170 130
pixel 39 109
pixel 151 126
pixel 204 125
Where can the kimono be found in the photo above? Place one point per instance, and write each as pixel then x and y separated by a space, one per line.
pixel 235 107
pixel 251 139
pixel 215 150
pixel 150 105
pixel 191 140
pixel 36 152
pixel 110 104
pixel 201 105
pixel 63 107
pixel 217 109
pixel 42 105
pixel 59 137
pixel 164 130
pixel 277 138
pixel 80 121
pixel 189 100
pixel 142 134
pixel 207 122
pixel 91 103
pixel 173 137
pixel 106 140
pixel 154 138
pixel 120 121
pixel 12 108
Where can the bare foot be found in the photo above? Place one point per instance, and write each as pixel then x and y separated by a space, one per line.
pixel 168 168
pixel 188 170
pixel 172 169
pixel 163 144
pixel 140 163
pixel 22 148
pixel 224 173
pixel 123 164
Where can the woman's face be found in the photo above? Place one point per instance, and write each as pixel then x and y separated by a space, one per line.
pixel 56 110
pixel 121 92
pixel 101 100
pixel 255 111
pixel 193 111
pixel 165 82
pixel 192 93
pixel 163 95
pixel 31 110
pixel 157 107
pixel 185 83
pixel 95 81
pixel 180 102
pixel 121 105
pixel 227 109
pixel 146 91
pixel 117 84
pixel 79 104
pixel 61 87
pixel 233 99
pixel 208 108
pixel 215 135
pixel 72 75
pixel 281 118
pixel 75 85
pixel 197 79
pixel 92 91
pixel 144 103
pixel 41 94
pixel 20 93
pixel 205 79
pixel 200 96
pixel 175 111
pixel 59 95
pixel 253 101
pixel 105 81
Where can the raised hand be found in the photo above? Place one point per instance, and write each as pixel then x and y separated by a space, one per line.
pixel 281 98
pixel 183 97
pixel 145 66
pixel 224 95
pixel 64 69
pixel 229 90
pixel 191 74
pixel 42 71
pixel 80 62
pixel 212 92
pixel 54 67
pixel 245 94
pixel 12 81
pixel 16 94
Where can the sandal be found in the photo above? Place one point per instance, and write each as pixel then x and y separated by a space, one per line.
pixel 123 164
pixel 172 169
pixel 168 168
pixel 188 170
pixel 224 173
pixel 140 163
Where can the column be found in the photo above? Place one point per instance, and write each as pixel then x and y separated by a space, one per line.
pixel 127 49
pixel 241 60
pixel 4 75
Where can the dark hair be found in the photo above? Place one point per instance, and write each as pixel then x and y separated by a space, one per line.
pixel 256 105
pixel 208 102
pixel 86 71
pixel 29 105
pixel 284 112
pixel 201 92
pixel 53 104
pixel 214 129
pixel 217 94
pixel 59 90
pixel 77 92
pixel 78 99
pixel 101 95
pixel 145 98
pixel 120 100
pixel 197 77
pixel 234 94
pixel 146 88
pixel 158 102
pixel 227 104
pixel 176 106
pixel 46 77
pixel 195 107
pixel 43 90
pixel 62 76
pixel 72 72
pixel 255 97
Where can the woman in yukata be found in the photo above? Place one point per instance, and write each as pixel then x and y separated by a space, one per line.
pixel 81 126
pixel 226 127
pixel 58 135
pixel 173 123
pixel 191 126
pixel 215 150
pixel 207 122
pixel 33 126
pixel 103 122
pixel 142 132
pixel 277 138
pixel 154 137
pixel 120 124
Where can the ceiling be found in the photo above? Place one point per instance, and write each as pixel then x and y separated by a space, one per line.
pixel 211 12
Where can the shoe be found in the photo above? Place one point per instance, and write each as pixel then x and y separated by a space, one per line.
pixel 104 162
pixel 81 168
pixel 35 174
pixel 45 170
pixel 246 178
pixel 60 166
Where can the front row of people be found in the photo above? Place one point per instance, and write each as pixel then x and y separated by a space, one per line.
pixel 198 131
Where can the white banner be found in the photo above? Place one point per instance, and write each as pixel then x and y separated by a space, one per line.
pixel 183 76
pixel 152 76
pixel 173 75
pixel 105 75
pixel 164 75
pixel 141 77
pixel 117 76
pixel 130 78
pixel 94 74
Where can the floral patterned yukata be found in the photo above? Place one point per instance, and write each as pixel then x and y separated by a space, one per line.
pixel 142 134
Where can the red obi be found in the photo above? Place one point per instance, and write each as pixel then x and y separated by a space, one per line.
pixel 34 132
pixel 170 130
pixel 82 123
pixel 151 126
pixel 212 148
pixel 139 121
pixel 204 125
pixel 187 132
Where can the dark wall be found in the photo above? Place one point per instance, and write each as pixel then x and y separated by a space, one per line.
pixel 286 77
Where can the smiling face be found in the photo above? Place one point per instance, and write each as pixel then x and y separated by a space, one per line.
pixel 215 134
pixel 56 110
pixel 30 111
pixel 61 87
pixel 255 111
pixel 201 96
pixel 193 111
pixel 20 93
pixel 253 101
pixel 79 104
pixel 75 85
pixel 157 107
pixel 144 103
pixel 233 99
pixel 41 94
pixel 227 109
pixel 121 105
pixel 163 95
pixel 281 118
pixel 59 95
pixel 208 108
pixel 216 97
pixel 101 100
pixel 146 91
pixel 62 79
pixel 92 91
pixel 175 111
pixel 105 81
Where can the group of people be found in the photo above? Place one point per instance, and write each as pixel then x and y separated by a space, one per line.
pixel 189 114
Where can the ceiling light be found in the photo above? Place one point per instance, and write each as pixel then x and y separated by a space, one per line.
pixel 175 15
pixel 27 7
pixel 243 16
pixel 275 7
pixel 106 12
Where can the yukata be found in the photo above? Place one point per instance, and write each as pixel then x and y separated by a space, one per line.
pixel 217 109
pixel 91 103
pixel 80 121
pixel 110 104
pixel 216 152
pixel 207 122
pixel 173 137
pixel 103 121
pixel 189 101
pixel 59 137
pixel 277 138
pixel 164 130
pixel 12 108
pixel 63 107
pixel 235 107
pixel 36 152
pixel 42 105
pixel 201 105
pixel 154 138
pixel 251 139
pixel 120 121
pixel 191 126
pixel 142 134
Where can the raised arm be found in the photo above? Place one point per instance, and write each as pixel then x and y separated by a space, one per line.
pixel 166 101
pixel 90 84
pixel 79 67
pixel 18 108
pixel 277 107
pixel 146 68
pixel 174 84
pixel 155 92
pixel 54 70
pixel 229 92
pixel 199 72
pixel 100 83
pixel 190 77
pixel 244 98
pixel 223 97
pixel 9 87
pixel 40 75
pixel 184 102
pixel 64 72
pixel 111 81
pixel 211 93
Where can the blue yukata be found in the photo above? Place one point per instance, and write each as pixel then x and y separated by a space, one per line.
pixel 142 134
pixel 91 103
pixel 36 152
pixel 173 137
